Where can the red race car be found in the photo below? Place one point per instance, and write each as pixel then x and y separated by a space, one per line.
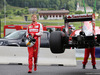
pixel 87 37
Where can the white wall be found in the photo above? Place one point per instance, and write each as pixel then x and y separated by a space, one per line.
pixel 51 18
pixel 41 18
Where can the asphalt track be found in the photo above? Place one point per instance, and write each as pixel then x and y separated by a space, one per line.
pixel 13 69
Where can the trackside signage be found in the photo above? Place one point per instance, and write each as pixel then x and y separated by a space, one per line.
pixel 79 16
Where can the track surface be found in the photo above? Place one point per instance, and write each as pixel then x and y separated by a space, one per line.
pixel 13 69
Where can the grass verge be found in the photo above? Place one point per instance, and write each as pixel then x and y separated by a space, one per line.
pixel 80 58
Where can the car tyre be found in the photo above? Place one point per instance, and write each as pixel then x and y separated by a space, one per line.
pixel 56 42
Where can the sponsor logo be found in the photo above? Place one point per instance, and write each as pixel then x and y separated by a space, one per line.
pixel 69 16
pixel 33 30
pixel 79 16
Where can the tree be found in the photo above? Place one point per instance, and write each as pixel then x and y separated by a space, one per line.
pixel 1 16
pixel 55 7
pixel 56 4
pixel 98 4
pixel 17 12
pixel 9 12
pixel 45 17
pixel 71 4
pixel 1 4
pixel 26 10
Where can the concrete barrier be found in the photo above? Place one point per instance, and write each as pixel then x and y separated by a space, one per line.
pixel 47 58
pixel 80 52
pixel 19 55
pixel 13 55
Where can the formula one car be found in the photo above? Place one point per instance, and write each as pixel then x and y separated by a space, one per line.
pixel 60 40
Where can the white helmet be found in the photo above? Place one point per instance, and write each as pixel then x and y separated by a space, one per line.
pixel 29 44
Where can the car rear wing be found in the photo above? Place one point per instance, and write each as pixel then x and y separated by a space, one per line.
pixel 79 18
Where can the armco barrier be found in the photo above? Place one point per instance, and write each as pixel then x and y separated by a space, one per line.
pixel 19 55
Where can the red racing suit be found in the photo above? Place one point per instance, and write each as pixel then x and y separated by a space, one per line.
pixel 37 30
pixel 86 55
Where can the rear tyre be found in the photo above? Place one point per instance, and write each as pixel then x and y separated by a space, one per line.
pixel 56 42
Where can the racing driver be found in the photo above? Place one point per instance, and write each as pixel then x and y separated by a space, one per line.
pixel 36 30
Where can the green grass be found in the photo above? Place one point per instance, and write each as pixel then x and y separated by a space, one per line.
pixel 2 35
pixel 14 18
pixel 12 7
pixel 88 59
pixel 97 23
pixel 17 20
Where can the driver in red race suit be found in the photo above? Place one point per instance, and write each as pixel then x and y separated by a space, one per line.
pixel 36 30
pixel 86 55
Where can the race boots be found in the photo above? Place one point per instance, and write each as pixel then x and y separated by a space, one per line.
pixel 30 71
pixel 94 67
pixel 83 66
pixel 35 67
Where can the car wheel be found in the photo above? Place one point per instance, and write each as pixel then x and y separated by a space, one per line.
pixel 56 42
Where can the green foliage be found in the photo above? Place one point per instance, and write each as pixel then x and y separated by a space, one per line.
pixel 1 15
pixel 26 10
pixel 45 17
pixel 99 11
pixel 1 4
pixel 98 4
pixel 9 12
pixel 15 11
pixel 51 9
pixel 2 12
pixel 79 12
pixel 18 13
pixel 71 5
pixel 72 12
pixel 99 16
pixel 55 4
pixel 37 16
pixel 10 17
pixel 43 9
